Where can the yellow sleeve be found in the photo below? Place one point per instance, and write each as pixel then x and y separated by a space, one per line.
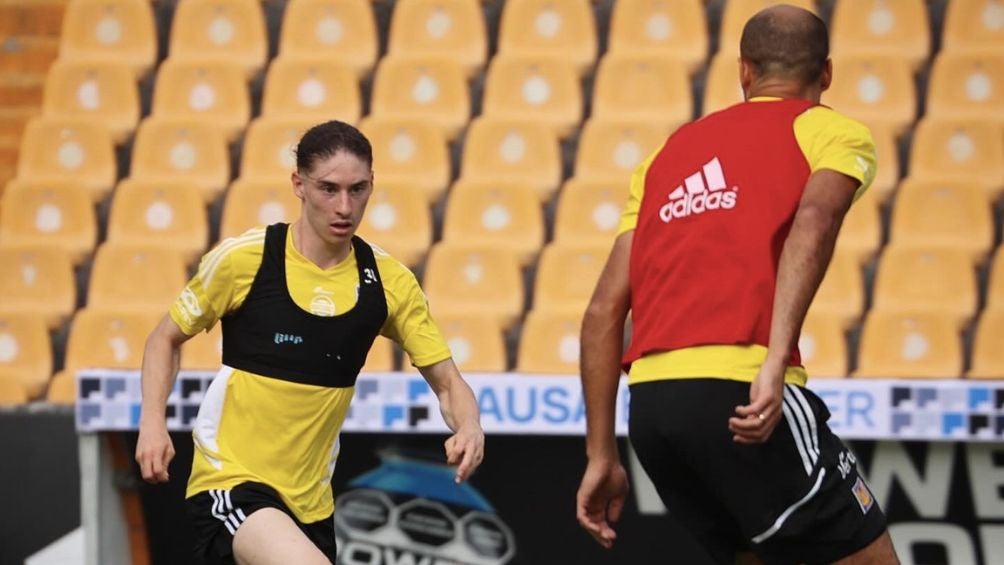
pixel 636 190
pixel 221 284
pixel 832 141
pixel 408 320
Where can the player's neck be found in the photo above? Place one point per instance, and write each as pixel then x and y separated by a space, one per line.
pixel 786 89
pixel 319 252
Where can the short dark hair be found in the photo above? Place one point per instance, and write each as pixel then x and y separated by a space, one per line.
pixel 786 44
pixel 324 140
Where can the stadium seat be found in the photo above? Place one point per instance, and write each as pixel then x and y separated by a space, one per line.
pixel 564 31
pixel 534 88
pixel 102 91
pixel 823 345
pixel 736 13
pixel 970 151
pixel 476 342
pixel 110 30
pixel 910 345
pixel 410 153
pixel 967 86
pixel 212 92
pixel 451 28
pixel 881 28
pixel 610 149
pixel 926 280
pixel 721 86
pixel 135 278
pixel 943 215
pixel 12 393
pixel 674 29
pixel 995 287
pixel 269 152
pixel 974 26
pixel 549 343
pixel 37 281
pixel 861 233
pixel 182 150
pixel 429 89
pixel 74 152
pixel 380 358
pixel 338 30
pixel 169 215
pixel 204 351
pixel 311 89
pixel 496 216
pixel 58 215
pixel 873 89
pixel 25 352
pixel 252 203
pixel 988 355
pixel 589 212
pixel 108 339
pixel 463 280
pixel 228 30
pixel 841 295
pixel 887 175
pixel 566 276
pixel 62 389
pixel 654 89
pixel 499 151
pixel 399 222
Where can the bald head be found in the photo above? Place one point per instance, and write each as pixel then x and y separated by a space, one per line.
pixel 786 42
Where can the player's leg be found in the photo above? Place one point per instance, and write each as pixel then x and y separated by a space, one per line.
pixel 747 558
pixel 271 537
pixel 878 552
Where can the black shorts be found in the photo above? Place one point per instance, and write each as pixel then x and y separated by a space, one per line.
pixel 216 515
pixel 797 498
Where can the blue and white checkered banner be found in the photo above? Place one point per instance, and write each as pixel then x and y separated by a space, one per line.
pixel 511 403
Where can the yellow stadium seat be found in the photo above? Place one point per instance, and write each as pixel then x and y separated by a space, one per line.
pixel 108 339
pixel 182 150
pixel 56 215
pixel 861 233
pixel 534 88
pixel 967 86
pixel 430 89
pixel 823 345
pixel 589 212
pixel 926 280
pixel 398 222
pixel 873 89
pixel 564 31
pixel 338 30
pixel 62 389
pixel 212 92
pixel 841 295
pixel 497 216
pixel 311 89
pixel 12 393
pixel 104 91
pixel 251 203
pixel 25 352
pixel 567 275
pixel 229 30
pixel 910 345
pixel 736 13
pixel 610 149
pixel 135 278
pixel 655 89
pixel 476 342
pixel 887 175
pixel 380 358
pixel 74 152
pixel 666 28
pixel 461 279
pixel 881 28
pixel 170 215
pixel 549 343
pixel 943 215
pixel 512 152
pixel 970 151
pixel 269 152
pixel 988 355
pixel 721 87
pixel 974 26
pixel 411 153
pixel 37 281
pixel 204 351
pixel 452 28
pixel 995 289
pixel 110 30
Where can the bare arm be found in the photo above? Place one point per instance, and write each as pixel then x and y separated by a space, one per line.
pixel 466 446
pixel 804 259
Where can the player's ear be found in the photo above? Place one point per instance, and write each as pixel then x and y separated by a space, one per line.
pixel 745 77
pixel 298 188
pixel 827 75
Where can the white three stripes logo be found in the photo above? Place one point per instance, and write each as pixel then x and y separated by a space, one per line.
pixel 702 191
pixel 224 511
pixel 802 421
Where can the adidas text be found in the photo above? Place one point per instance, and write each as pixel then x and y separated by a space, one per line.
pixel 700 193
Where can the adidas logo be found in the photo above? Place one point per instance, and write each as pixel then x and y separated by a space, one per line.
pixel 700 193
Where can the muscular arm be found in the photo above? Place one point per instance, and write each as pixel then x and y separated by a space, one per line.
pixel 465 447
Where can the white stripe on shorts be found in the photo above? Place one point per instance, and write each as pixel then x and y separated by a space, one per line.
pixel 776 526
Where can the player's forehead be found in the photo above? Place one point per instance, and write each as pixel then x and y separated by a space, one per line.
pixel 343 168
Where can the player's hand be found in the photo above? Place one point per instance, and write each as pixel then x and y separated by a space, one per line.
pixel 600 499
pixel 154 451
pixel 755 422
pixel 466 450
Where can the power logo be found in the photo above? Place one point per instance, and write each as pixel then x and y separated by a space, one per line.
pixel 863 495
pixel 702 191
